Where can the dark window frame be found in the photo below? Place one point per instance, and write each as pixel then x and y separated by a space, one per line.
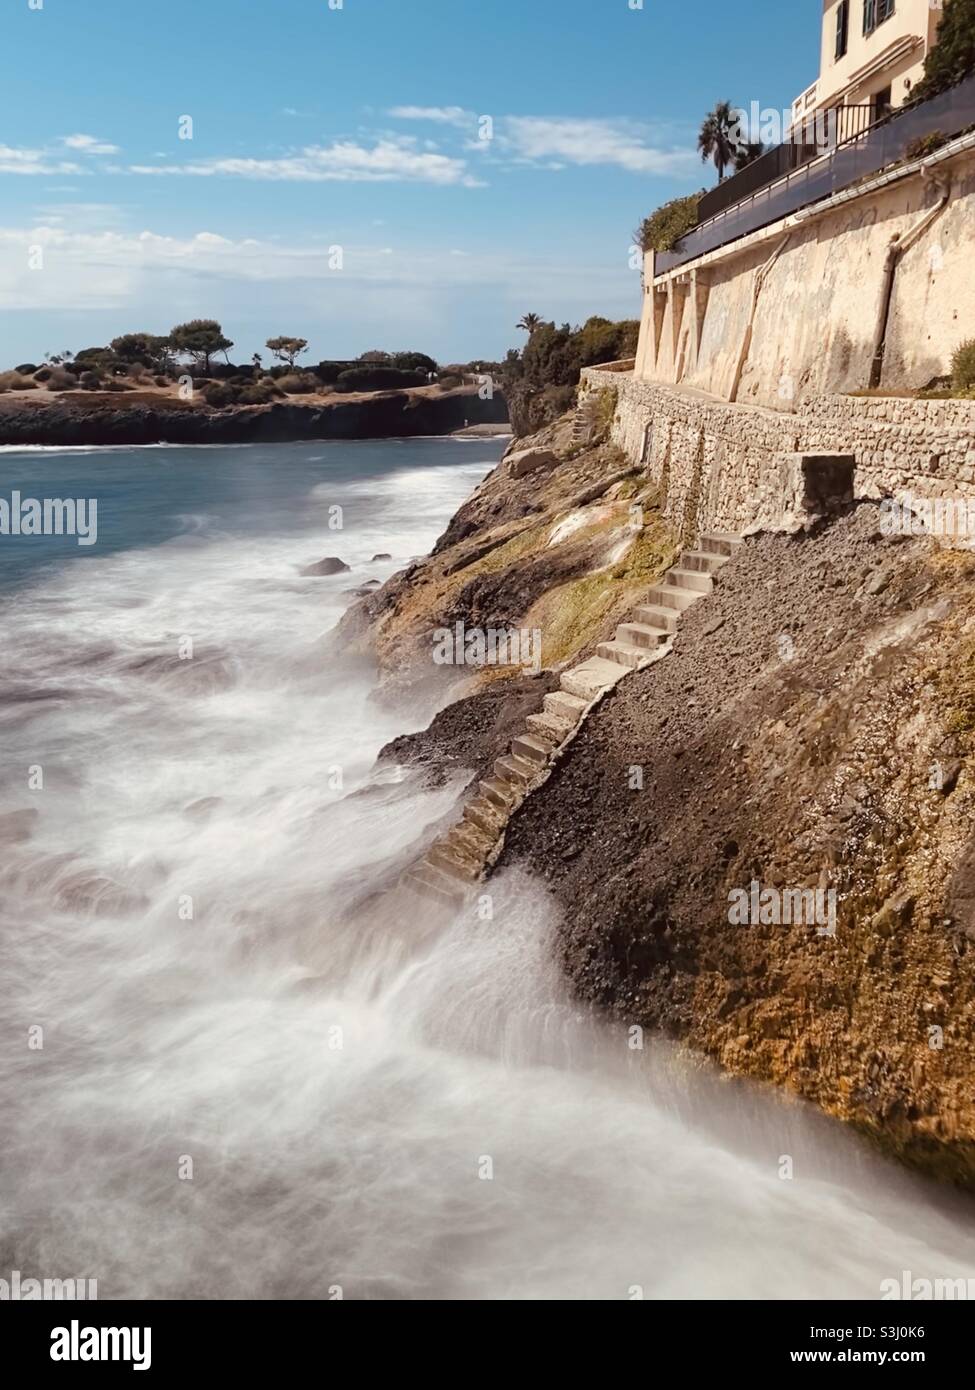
pixel 842 30
pixel 876 12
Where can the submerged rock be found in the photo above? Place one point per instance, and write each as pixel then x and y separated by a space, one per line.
pixel 330 565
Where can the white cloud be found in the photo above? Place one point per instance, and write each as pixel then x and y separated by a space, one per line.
pixel 386 161
pixel 87 144
pixel 438 115
pixel 582 141
pixel 21 161
pixel 111 269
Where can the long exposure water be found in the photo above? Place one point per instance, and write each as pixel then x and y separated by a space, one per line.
pixel 234 1063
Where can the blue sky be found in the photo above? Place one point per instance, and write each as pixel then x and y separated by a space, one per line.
pixel 357 128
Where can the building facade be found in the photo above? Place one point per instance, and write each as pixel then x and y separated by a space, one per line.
pixel 872 55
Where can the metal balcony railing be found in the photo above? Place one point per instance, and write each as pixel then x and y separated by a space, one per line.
pixel 814 135
pixel 859 154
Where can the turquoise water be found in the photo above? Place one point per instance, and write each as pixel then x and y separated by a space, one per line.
pixel 148 496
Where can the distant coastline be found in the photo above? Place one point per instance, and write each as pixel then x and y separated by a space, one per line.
pixel 147 419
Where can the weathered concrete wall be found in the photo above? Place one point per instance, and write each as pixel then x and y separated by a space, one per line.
pixel 814 318
pixel 720 466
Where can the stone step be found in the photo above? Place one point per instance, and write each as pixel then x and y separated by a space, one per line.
pixel 689 579
pixel 641 635
pixel 592 677
pixel 622 653
pixel 499 793
pixel 707 560
pixel 546 726
pixel 470 840
pixel 667 618
pixel 515 770
pixel 430 882
pixel 454 861
pixel 720 542
pixel 486 815
pixel 561 705
pixel 533 748
pixel 669 596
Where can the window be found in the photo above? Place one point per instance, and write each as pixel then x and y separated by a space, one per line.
pixel 875 12
pixel 842 28
pixel 881 103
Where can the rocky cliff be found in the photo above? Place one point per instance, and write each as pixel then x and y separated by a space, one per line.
pixel 105 419
pixel 812 728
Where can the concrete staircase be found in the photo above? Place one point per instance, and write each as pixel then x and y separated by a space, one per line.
pixel 459 858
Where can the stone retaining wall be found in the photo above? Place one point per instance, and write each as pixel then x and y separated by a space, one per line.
pixel 720 465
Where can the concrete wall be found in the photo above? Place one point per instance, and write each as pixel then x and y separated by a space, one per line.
pixel 813 323
pixel 721 466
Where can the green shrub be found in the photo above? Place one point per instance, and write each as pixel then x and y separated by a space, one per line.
pixel 27 368
pixel 923 145
pixel 90 381
pixel 258 395
pixel 378 378
pixel 43 374
pixel 60 379
pixel 220 393
pixel 13 381
pixel 963 366
pixel 952 57
pixel 298 383
pixel 449 382
pixel 663 229
pixel 161 380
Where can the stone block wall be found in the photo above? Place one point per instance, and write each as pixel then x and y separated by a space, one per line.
pixel 720 466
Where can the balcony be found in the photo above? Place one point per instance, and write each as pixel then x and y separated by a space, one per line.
pixel 810 137
pixel 795 175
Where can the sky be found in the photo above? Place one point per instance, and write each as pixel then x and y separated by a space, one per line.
pixel 398 174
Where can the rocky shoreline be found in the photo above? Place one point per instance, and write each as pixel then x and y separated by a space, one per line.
pixel 101 420
pixel 813 725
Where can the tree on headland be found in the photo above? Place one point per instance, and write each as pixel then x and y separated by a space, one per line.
pixel 150 349
pixel 529 322
pixel 287 350
pixel 718 137
pixel 953 56
pixel 199 340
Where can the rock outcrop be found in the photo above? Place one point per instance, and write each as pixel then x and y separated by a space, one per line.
pixel 93 420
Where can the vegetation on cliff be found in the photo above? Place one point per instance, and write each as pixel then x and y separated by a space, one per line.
pixel 540 380
pixel 565 548
pixel 663 229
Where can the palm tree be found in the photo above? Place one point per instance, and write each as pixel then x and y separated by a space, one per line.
pixel 717 139
pixel 747 154
pixel 529 322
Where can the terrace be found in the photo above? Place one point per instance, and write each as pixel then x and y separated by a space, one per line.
pixel 824 157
